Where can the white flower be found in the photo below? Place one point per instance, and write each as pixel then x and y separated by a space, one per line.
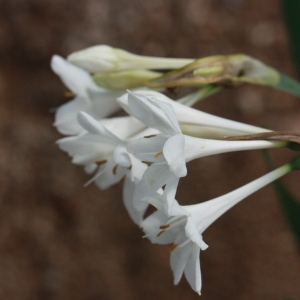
pixel 124 127
pixel 128 190
pixel 189 115
pixel 105 59
pixel 168 151
pixel 149 149
pixel 90 98
pixel 186 224
pixel 100 150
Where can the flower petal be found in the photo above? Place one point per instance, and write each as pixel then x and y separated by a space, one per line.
pixel 104 102
pixel 76 79
pixel 137 168
pixel 94 127
pixel 146 149
pixel 192 270
pixel 168 198
pixel 121 156
pixel 154 113
pixel 189 115
pixel 174 154
pixel 123 127
pixel 193 234
pixel 179 257
pixel 153 179
pixel 128 189
pixel 66 116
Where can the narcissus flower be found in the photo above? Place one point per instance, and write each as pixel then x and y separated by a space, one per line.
pixel 100 150
pixel 168 151
pixel 189 115
pixel 185 225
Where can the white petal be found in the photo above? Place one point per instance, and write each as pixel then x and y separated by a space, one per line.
pixel 90 168
pixel 193 234
pixel 137 168
pixel 121 156
pixel 179 257
pixel 104 102
pixel 94 127
pixel 190 115
pixel 76 79
pixel 147 148
pixel 174 154
pixel 86 148
pixel 169 193
pixel 88 158
pixel 198 147
pixel 169 112
pixel 153 179
pixel 123 100
pixel 85 143
pixel 192 270
pixel 66 116
pixel 123 127
pixel 128 189
pixel 160 116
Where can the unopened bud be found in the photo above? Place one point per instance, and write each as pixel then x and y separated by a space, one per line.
pixel 124 80
pixel 106 59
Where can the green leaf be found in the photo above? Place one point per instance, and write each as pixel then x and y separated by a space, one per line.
pixel 291 12
pixel 291 208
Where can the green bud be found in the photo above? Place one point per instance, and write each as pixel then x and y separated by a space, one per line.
pixel 209 71
pixel 221 69
pixel 125 79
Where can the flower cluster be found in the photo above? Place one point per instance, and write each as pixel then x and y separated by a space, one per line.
pixel 149 149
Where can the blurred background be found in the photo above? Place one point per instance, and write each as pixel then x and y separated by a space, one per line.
pixel 59 240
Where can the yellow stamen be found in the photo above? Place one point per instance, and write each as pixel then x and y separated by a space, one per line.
pixel 101 162
pixel 147 162
pixel 158 154
pixel 173 247
pixel 164 226
pixel 69 94
pixel 114 170
pixel 149 136
pixel 161 232
pixel 122 180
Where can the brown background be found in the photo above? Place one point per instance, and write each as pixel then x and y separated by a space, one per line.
pixel 59 240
